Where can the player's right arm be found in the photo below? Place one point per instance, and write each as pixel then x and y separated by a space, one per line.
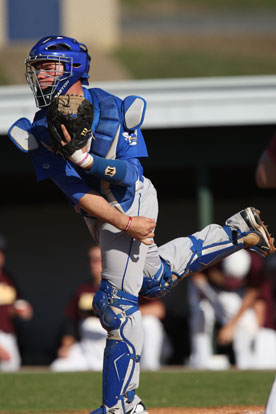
pixel 49 165
pixel 141 228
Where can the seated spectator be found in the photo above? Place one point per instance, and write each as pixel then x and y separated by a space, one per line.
pixel 11 307
pixel 153 313
pixel 83 340
pixel 237 295
pixel 265 343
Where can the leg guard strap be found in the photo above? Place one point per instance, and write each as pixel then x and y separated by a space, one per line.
pixel 196 246
pixel 112 305
pixel 159 285
pixel 204 256
pixel 118 297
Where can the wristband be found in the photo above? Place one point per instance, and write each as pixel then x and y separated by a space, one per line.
pixel 128 224
pixel 82 159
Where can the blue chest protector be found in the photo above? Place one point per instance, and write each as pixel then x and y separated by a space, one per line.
pixel 110 119
pixel 107 119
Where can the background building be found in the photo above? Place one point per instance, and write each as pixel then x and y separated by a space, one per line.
pixel 203 170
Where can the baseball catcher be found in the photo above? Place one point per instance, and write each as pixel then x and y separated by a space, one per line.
pixel 105 181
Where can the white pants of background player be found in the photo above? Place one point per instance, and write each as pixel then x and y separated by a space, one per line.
pixel 87 355
pixel 203 318
pixel 154 343
pixel 9 343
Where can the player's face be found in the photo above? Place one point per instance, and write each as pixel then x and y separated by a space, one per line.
pixel 48 72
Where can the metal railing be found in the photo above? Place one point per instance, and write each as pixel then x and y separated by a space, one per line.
pixel 174 103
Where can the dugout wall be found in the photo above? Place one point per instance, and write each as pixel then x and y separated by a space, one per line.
pixel 48 241
pixel 204 138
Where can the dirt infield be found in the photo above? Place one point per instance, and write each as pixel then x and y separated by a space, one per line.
pixel 168 410
pixel 209 410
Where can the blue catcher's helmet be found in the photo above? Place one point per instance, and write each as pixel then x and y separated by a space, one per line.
pixel 68 52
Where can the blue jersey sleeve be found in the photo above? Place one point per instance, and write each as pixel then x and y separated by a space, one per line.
pixel 72 186
pixel 49 165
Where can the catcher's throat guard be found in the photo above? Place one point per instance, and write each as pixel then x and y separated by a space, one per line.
pixel 20 134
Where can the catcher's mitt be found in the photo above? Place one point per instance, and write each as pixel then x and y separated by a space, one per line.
pixel 76 113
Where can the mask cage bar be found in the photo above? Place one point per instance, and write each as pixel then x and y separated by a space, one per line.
pixel 44 96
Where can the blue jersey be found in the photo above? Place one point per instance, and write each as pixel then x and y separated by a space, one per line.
pixel 116 170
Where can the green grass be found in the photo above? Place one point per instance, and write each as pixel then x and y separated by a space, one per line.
pixel 246 5
pixel 38 393
pixel 147 63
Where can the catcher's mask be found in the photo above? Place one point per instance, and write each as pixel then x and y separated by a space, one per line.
pixel 65 51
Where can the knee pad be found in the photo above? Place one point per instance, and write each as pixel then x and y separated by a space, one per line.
pixel 104 311
pixel 161 283
pixel 112 305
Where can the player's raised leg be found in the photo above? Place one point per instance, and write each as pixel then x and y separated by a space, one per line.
pixel 188 255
